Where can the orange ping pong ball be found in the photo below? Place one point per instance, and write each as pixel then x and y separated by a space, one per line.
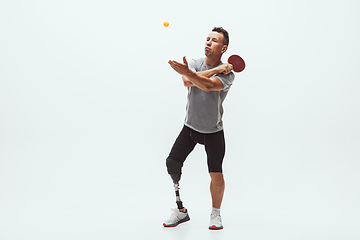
pixel 166 24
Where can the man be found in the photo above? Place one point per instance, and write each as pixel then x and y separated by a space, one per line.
pixel 208 81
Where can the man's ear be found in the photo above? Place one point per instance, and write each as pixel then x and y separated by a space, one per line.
pixel 224 48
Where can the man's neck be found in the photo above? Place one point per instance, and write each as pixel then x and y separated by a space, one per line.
pixel 212 62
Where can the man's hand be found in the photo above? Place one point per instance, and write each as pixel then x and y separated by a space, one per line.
pixel 181 68
pixel 225 68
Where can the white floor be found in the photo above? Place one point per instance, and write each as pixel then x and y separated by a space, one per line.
pixel 51 219
pixel 86 199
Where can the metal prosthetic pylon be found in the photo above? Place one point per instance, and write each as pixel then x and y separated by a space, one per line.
pixel 178 200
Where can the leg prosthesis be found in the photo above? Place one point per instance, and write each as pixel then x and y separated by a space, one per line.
pixel 178 200
pixel 174 169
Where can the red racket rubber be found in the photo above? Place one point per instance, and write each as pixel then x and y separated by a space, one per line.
pixel 237 62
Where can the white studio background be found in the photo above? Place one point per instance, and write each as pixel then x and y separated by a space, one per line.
pixel 89 110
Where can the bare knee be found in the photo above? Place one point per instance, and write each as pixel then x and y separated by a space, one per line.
pixel 217 178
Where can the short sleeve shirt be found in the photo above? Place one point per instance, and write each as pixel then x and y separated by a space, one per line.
pixel 204 110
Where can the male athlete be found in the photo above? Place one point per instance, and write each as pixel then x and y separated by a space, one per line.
pixel 208 81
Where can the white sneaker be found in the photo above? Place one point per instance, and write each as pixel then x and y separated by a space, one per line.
pixel 215 222
pixel 176 218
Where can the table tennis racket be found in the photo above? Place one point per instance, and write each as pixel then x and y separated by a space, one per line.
pixel 237 62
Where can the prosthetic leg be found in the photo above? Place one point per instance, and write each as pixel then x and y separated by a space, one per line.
pixel 178 200
pixel 176 179
pixel 174 169
pixel 181 214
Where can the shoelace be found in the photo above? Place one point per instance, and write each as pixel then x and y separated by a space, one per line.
pixel 174 213
pixel 216 217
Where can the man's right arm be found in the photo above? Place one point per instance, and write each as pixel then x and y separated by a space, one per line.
pixel 187 82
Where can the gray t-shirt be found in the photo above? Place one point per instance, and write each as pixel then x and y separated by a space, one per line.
pixel 204 110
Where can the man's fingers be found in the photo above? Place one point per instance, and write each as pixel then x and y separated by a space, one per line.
pixel 178 67
pixel 172 62
pixel 227 68
pixel 181 68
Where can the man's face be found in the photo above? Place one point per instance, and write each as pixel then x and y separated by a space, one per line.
pixel 214 44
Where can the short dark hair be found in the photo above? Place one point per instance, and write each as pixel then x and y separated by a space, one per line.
pixel 224 32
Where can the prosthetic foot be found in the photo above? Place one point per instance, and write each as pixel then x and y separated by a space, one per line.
pixel 181 214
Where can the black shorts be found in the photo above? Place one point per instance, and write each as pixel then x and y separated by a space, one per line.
pixel 214 146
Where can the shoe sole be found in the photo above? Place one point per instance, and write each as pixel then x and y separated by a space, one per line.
pixel 174 225
pixel 213 227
